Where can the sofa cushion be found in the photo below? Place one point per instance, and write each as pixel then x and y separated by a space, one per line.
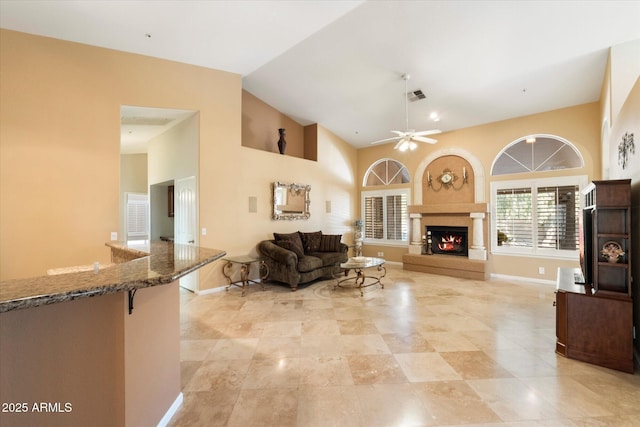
pixel 291 246
pixel 309 263
pixel 330 243
pixel 311 241
pixel 294 238
pixel 329 258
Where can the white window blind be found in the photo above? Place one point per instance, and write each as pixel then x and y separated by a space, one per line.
pixel 137 216
pixel 558 211
pixel 397 224
pixel 514 216
pixel 373 217
pixel 536 217
pixel 386 217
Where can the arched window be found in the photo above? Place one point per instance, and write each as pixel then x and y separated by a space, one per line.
pixel 537 215
pixel 386 172
pixel 537 153
pixel 384 211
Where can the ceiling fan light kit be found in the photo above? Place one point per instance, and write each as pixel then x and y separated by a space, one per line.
pixel 406 139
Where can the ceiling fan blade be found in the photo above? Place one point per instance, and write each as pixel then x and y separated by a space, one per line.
pixel 402 140
pixel 385 140
pixel 423 139
pixel 427 132
pixel 399 133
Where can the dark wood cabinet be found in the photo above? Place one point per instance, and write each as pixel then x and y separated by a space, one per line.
pixel 594 320
pixel 591 327
pixel 609 204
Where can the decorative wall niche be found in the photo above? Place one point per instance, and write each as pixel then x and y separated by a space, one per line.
pixel 458 192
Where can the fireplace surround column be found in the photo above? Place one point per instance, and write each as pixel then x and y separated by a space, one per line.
pixel 416 234
pixel 478 250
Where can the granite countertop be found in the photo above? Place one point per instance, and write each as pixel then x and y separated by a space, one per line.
pixel 159 263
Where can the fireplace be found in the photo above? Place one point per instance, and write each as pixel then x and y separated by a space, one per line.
pixel 448 240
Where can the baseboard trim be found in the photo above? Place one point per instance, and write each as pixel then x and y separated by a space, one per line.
pixel 172 411
pixel 522 279
pixel 211 291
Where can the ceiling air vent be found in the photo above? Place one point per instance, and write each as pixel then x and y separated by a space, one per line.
pixel 416 95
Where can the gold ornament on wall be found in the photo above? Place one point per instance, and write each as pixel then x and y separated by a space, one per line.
pixel 447 179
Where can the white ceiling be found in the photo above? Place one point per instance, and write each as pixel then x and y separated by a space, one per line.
pixel 339 63
pixel 139 125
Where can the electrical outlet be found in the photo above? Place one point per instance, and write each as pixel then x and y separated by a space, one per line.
pixel 380 254
pixel 114 235
pixel 540 270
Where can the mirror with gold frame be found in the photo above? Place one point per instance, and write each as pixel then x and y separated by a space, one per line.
pixel 291 201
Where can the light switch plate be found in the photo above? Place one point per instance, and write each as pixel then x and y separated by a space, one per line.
pixel 114 235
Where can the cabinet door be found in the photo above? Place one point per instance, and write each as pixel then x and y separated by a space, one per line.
pixel 600 331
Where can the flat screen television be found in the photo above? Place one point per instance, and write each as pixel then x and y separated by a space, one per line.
pixel 586 246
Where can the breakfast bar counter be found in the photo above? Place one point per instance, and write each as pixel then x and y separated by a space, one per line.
pixel 157 263
pixel 98 347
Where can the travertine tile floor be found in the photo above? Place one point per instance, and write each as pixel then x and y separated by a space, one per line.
pixel 425 351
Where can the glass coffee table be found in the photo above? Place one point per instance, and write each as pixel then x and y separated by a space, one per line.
pixel 364 273
pixel 245 262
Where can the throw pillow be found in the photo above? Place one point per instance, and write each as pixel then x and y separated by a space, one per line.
pixel 311 241
pixel 330 243
pixel 291 246
pixel 294 238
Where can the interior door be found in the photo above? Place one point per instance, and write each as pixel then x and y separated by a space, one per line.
pixel 186 222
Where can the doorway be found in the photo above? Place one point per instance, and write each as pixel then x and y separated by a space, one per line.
pixel 164 144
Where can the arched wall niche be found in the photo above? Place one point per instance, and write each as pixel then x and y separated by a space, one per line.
pixel 459 192
pixel 454 159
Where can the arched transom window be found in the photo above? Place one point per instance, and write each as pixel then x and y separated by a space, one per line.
pixel 537 153
pixel 386 172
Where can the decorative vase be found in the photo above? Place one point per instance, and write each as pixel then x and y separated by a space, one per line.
pixel 282 144
pixel 613 259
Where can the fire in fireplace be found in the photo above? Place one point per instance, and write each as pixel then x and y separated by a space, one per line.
pixel 448 240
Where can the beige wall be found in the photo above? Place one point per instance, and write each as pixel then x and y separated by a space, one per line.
pixel 331 179
pixel 174 154
pixel 260 124
pixel 60 149
pixel 579 125
pixel 60 113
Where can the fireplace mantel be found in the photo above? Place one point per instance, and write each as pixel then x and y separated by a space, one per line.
pixel 448 208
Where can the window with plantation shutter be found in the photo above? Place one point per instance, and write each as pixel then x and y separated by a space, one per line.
pixel 386 219
pixel 537 217
pixel 558 211
pixel 397 226
pixel 373 217
pixel 513 217
pixel 137 216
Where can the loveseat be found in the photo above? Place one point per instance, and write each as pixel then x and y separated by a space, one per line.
pixel 301 257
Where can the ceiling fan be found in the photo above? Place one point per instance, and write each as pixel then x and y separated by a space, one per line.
pixel 406 139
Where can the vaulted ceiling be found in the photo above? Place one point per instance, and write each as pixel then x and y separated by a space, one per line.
pixel 339 63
